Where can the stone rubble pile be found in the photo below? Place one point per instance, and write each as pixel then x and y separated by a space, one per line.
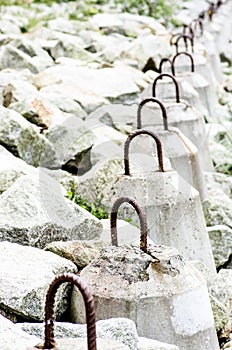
pixel 71 91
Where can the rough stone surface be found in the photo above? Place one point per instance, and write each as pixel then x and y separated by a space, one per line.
pixel 220 313
pixel 220 238
pixel 81 254
pixel 39 111
pixel 26 274
pixel 24 140
pixel 221 288
pixel 217 209
pixel 117 329
pixel 74 140
pixel 11 168
pixel 102 83
pixel 11 337
pixel 35 212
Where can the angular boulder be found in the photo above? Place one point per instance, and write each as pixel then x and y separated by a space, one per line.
pixel 24 140
pixel 35 212
pixel 26 274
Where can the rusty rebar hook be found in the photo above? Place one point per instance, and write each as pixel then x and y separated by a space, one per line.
pixel 179 54
pixel 49 310
pixel 211 10
pixel 142 219
pixel 197 22
pixel 174 81
pixel 219 3
pixel 163 60
pixel 173 36
pixel 190 30
pixel 163 109
pixel 186 38
pixel 202 15
pixel 127 144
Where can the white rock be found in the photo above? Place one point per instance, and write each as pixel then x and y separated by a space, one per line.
pixel 24 140
pixel 26 274
pixel 11 337
pixel 35 212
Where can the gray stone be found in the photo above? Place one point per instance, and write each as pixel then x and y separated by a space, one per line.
pixel 11 337
pixel 24 140
pixel 220 313
pixel 112 84
pixel 8 27
pixel 116 329
pixel 119 116
pixel 35 212
pixel 221 288
pixel 65 104
pixel 63 25
pixel 81 254
pixel 217 209
pixel 68 47
pixel 220 147
pixel 20 82
pixel 225 183
pixel 220 237
pixel 219 181
pixel 11 57
pixel 11 168
pixel 33 49
pixel 74 140
pixel 26 274
pixel 39 111
pixel 151 344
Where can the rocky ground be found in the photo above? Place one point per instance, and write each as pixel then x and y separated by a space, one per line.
pixel 71 77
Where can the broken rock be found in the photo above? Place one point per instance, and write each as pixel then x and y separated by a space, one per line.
pixel 26 274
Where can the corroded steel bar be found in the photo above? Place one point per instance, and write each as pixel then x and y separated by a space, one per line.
pixel 127 144
pixel 163 109
pixel 142 219
pixel 180 54
pixel 49 310
pixel 174 81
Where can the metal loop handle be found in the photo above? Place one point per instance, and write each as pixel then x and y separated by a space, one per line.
pixel 174 81
pixel 173 36
pixel 211 10
pixel 89 308
pixel 163 61
pixel 202 14
pixel 163 109
pixel 142 219
pixel 190 30
pixel 197 22
pixel 179 54
pixel 127 144
pixel 186 38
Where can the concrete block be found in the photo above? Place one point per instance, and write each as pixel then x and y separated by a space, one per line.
pixel 150 344
pixel 183 154
pixel 173 208
pixel 189 121
pixel 163 294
